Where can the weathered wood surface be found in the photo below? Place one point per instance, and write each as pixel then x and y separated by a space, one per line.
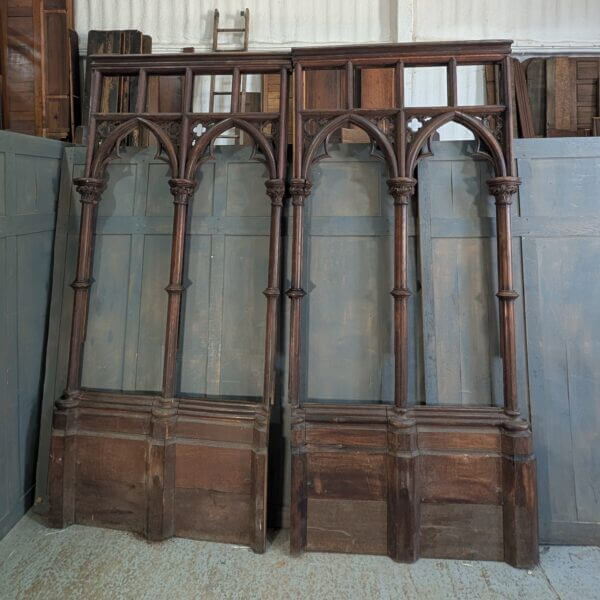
pixel 561 272
pixel 29 182
pixel 402 474
pixel 226 272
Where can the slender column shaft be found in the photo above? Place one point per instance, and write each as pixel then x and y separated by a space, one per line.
pixel 503 188
pixel 90 190
pixel 275 190
pixel 299 190
pixel 401 189
pixel 182 190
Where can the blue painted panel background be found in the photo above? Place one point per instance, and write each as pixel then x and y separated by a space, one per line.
pixel 347 350
pixel 556 261
pixel 29 183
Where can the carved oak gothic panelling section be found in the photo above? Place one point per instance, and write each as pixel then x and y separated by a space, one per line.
pixel 349 348
pixel 403 478
pixel 225 275
pixel 458 260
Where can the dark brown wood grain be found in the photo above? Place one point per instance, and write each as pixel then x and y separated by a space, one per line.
pixel 160 464
pixel 444 472
pixel 400 480
pixel 36 88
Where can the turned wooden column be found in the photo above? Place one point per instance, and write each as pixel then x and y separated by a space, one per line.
pixel 182 190
pixel 519 504
pixel 402 190
pixel 63 457
pixel 503 189
pixel 275 191
pixel 90 190
pixel 161 441
pixel 299 190
pixel 402 459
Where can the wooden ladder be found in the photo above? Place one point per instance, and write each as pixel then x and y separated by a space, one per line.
pixel 244 48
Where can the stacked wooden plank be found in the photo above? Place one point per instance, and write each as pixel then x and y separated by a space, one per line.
pixel 564 93
pixel 38 51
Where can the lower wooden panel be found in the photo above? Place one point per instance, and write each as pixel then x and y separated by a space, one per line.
pixel 118 462
pixel 354 526
pixel 468 531
pixel 212 515
pixel 113 504
pixel 446 482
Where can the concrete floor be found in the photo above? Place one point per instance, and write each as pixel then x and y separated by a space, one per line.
pixel 84 562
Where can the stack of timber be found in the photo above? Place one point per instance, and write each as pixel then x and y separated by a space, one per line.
pixel 39 68
pixel 564 95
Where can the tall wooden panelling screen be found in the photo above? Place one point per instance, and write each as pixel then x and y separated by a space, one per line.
pixel 409 480
pixel 165 464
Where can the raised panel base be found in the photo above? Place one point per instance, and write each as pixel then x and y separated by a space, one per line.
pixel 437 482
pixel 195 470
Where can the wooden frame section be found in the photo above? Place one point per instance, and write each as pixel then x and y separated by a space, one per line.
pixel 160 464
pixel 406 480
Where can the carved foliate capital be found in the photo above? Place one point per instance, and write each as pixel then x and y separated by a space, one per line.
pixel 89 188
pixel 401 189
pixel 503 188
pixel 181 189
pixel 299 189
pixel 275 191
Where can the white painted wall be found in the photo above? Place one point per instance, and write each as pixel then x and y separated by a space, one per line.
pixel 536 26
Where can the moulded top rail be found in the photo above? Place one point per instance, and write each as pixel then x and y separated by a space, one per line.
pixel 411 54
pixel 206 62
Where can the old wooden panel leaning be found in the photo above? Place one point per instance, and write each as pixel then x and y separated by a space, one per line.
pixel 29 178
pixel 417 474
pixel 134 423
pixel 400 470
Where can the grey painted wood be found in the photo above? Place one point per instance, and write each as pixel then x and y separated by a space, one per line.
pixel 29 178
pixel 458 270
pixel 348 344
pixel 561 272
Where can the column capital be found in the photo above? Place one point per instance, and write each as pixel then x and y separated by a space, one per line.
pixel 503 188
pixel 401 188
pixel 299 189
pixel 275 191
pixel 182 189
pixel 89 188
